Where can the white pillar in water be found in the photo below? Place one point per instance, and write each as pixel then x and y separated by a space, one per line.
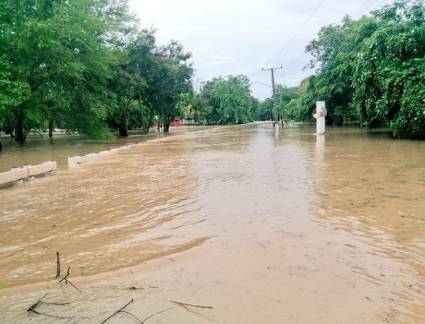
pixel 320 116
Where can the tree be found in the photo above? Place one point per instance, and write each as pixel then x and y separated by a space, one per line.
pixel 334 55
pixel 266 110
pixel 232 96
pixel 370 69
pixel 284 96
pixel 206 94
pixel 61 52
pixel 172 79
pixel 390 72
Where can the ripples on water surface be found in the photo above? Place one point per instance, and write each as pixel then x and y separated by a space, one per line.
pixel 308 220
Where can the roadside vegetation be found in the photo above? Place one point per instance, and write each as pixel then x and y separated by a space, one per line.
pixel 86 66
pixel 370 70
pixel 223 101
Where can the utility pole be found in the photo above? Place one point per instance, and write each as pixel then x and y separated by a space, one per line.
pixel 275 112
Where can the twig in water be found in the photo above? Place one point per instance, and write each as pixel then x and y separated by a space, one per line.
pixel 121 310
pixel 58 266
pixel 132 316
pixel 32 308
pixel 185 305
pixel 66 276
pixel 67 281
pixel 127 288
pixel 55 304
pixel 74 286
pixel 154 314
pixel 132 288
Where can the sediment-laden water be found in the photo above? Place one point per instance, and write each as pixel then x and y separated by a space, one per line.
pixel 264 228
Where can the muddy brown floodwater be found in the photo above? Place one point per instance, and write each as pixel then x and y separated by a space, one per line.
pixel 41 149
pixel 261 228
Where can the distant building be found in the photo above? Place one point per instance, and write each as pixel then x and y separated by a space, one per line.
pixel 189 121
pixel 177 123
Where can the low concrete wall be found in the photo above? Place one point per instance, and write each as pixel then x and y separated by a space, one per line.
pixel 13 175
pixel 26 172
pixel 41 169
pixel 77 160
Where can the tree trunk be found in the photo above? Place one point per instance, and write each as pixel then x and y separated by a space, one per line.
pixel 166 125
pixel 124 125
pixel 144 123
pixel 145 129
pixel 51 127
pixel 10 131
pixel 19 127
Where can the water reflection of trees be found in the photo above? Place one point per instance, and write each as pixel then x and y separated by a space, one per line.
pixel 375 188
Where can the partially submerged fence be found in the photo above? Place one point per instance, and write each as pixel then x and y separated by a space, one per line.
pixel 76 160
pixel 26 173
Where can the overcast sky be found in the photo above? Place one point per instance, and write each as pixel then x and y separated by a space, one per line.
pixel 242 36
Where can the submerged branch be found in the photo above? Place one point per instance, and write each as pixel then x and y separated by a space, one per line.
pixel 121 310
pixel 185 305
pixel 67 281
pixel 33 308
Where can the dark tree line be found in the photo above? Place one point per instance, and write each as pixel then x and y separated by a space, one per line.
pixel 85 66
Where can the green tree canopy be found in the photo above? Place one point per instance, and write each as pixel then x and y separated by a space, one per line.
pixel 370 69
pixel 390 71
pixel 230 99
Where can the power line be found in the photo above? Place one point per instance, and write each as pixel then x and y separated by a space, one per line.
pixel 364 4
pixel 373 3
pixel 369 4
pixel 254 72
pixel 272 70
pixel 261 83
pixel 312 14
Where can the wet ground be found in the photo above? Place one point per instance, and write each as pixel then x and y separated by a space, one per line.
pixel 260 228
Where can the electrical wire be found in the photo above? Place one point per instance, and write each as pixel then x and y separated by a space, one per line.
pixel 309 17
pixel 261 83
pixel 371 4
pixel 283 49
pixel 363 5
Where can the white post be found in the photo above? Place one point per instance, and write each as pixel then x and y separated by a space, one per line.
pixel 276 127
pixel 320 148
pixel 320 116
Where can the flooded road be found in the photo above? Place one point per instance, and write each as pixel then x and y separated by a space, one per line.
pixel 262 228
pixel 40 150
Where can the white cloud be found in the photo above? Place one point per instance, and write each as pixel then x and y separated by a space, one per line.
pixel 240 36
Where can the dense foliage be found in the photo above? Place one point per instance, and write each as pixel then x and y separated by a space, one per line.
pixel 232 98
pixel 370 70
pixel 224 100
pixel 389 78
pixel 84 66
